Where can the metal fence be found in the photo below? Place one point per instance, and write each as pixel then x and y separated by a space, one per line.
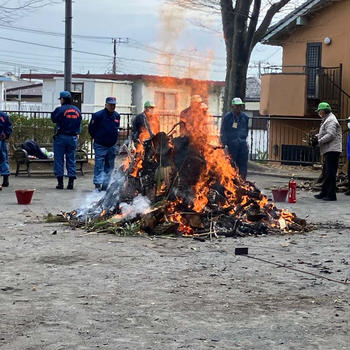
pixel 270 139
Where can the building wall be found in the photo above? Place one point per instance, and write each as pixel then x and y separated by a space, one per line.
pixel 333 22
pixel 2 94
pixel 283 94
pixel 121 90
pixel 49 98
pixel 95 93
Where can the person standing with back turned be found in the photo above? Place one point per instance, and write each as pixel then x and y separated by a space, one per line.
pixel 68 125
pixel 5 132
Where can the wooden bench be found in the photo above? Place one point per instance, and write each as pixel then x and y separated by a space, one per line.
pixel 23 160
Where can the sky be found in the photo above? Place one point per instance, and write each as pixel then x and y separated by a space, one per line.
pixel 161 40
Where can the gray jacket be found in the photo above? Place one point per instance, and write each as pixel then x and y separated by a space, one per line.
pixel 330 135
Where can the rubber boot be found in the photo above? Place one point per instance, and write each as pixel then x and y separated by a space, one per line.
pixel 5 182
pixel 70 183
pixel 59 183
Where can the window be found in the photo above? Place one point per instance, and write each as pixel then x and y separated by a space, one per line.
pixel 165 101
pixel 79 87
pixel 313 63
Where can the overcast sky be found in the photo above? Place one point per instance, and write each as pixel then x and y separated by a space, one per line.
pixel 153 30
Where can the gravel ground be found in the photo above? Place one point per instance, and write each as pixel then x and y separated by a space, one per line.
pixel 64 289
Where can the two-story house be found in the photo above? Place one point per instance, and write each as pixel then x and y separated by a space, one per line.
pixel 316 67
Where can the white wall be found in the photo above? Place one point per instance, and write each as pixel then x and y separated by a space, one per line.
pixel 2 94
pixel 49 97
pixel 215 100
pixel 148 91
pixel 95 93
pixel 121 90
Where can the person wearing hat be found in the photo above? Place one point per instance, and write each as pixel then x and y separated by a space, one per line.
pixel 104 129
pixel 5 132
pixel 191 114
pixel 234 133
pixel 330 141
pixel 67 118
pixel 347 193
pixel 146 124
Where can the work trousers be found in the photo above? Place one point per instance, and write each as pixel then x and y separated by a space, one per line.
pixel 64 147
pixel 239 156
pixel 4 159
pixel 329 187
pixel 104 163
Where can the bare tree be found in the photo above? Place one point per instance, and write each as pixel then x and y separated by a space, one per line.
pixel 244 24
pixel 10 10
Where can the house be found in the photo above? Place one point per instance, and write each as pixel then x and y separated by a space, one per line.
pixel 170 94
pixel 315 67
pixel 18 93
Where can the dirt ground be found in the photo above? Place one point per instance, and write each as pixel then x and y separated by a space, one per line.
pixel 64 289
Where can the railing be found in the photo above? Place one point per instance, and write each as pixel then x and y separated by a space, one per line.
pixel 323 83
pixel 270 139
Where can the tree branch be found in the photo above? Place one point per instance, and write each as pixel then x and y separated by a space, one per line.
pixel 267 20
pixel 253 23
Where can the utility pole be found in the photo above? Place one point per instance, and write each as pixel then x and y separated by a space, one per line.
pixel 68 47
pixel 115 42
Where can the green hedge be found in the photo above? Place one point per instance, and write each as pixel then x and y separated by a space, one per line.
pixel 41 130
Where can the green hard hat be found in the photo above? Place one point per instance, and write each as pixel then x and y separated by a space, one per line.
pixel 237 101
pixel 323 106
pixel 149 104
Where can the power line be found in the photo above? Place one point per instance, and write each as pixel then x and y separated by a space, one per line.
pixel 133 43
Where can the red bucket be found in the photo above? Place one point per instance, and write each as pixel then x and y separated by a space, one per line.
pixel 280 195
pixel 24 196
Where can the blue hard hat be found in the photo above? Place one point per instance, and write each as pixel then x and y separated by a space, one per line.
pixel 65 94
pixel 111 100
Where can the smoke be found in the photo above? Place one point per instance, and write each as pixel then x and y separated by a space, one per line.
pixel 139 205
pixel 174 60
pixel 88 201
pixel 172 24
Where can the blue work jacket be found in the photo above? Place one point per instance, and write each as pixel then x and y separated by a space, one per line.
pixel 5 125
pixel 234 128
pixel 67 119
pixel 104 127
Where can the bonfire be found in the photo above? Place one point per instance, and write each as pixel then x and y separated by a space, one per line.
pixel 183 185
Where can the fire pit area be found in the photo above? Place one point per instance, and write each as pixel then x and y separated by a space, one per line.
pixel 184 185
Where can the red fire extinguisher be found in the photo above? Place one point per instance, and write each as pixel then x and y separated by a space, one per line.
pixel 292 193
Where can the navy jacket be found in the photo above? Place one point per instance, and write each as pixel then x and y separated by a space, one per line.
pixel 103 127
pixel 67 119
pixel 231 135
pixel 5 125
pixel 348 148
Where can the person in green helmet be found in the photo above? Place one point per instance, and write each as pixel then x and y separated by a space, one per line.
pixel 234 133
pixel 146 124
pixel 330 141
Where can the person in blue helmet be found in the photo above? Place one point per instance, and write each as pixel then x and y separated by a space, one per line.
pixel 67 118
pixel 104 129
pixel 234 133
pixel 5 132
